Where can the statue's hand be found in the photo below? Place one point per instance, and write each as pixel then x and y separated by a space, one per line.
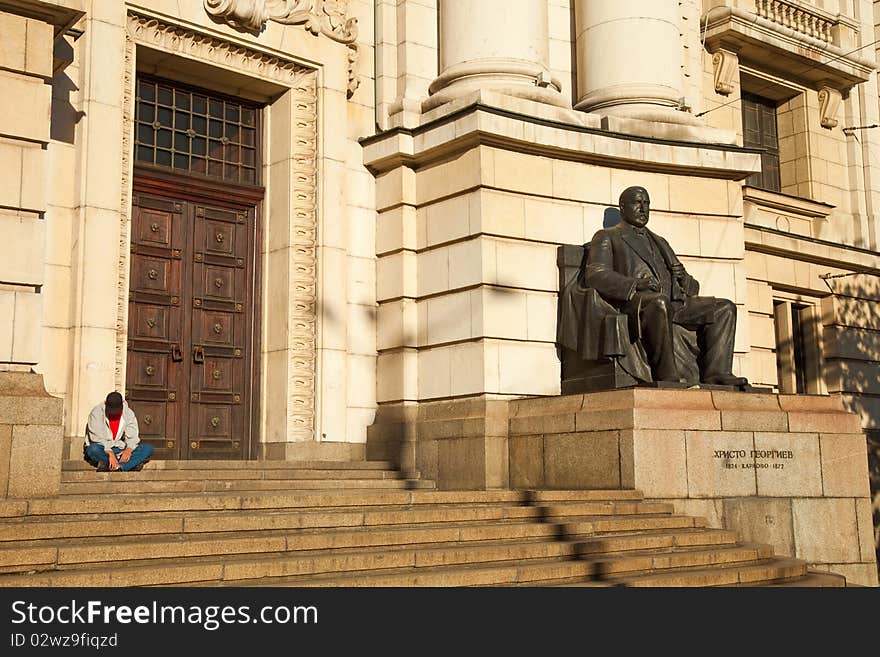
pixel 647 283
pixel 678 272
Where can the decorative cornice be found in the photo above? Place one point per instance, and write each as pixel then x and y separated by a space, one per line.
pixel 178 40
pixel 795 205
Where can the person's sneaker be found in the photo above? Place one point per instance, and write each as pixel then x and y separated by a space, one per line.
pixel 139 466
pixel 103 467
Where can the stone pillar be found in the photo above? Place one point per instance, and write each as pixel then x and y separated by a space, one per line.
pixel 32 52
pixel 102 219
pixel 629 59
pixel 494 44
pixel 31 437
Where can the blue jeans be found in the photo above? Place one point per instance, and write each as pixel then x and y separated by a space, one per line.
pixel 95 454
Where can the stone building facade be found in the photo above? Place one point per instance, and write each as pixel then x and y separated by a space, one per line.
pixel 286 228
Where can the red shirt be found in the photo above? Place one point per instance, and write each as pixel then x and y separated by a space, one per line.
pixel 114 425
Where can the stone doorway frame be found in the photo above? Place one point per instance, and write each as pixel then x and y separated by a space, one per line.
pixel 288 357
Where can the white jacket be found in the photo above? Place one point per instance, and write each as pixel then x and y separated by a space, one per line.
pixel 98 429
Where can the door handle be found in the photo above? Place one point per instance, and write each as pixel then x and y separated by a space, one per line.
pixel 199 355
pixel 176 353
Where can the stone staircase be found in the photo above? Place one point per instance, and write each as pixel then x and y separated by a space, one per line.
pixel 251 523
pixel 78 478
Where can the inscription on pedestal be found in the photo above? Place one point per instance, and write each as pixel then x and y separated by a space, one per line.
pixel 753 459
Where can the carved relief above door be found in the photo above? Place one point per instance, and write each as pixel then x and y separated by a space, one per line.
pixel 320 17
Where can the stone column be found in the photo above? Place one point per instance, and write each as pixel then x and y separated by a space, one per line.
pixel 629 59
pixel 494 44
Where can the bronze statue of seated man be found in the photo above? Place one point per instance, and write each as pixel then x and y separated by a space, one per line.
pixel 632 300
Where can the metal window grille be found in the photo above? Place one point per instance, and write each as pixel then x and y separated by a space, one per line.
pixel 194 131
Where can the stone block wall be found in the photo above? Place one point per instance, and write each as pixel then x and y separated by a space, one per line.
pixel 32 52
pixel 26 63
pixel 466 241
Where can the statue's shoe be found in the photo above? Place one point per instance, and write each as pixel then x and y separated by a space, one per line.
pixel 727 380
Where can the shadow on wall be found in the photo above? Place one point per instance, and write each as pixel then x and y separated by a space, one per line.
pixel 445 324
pixel 874 474
pixel 65 116
pixel 852 363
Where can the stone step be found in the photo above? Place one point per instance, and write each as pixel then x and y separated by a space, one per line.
pixel 300 499
pixel 730 565
pixel 586 525
pixel 611 566
pixel 278 474
pixel 371 537
pixel 816 580
pixel 769 570
pixel 583 495
pixel 172 522
pixel 30 555
pixel 530 573
pixel 232 570
pixel 553 512
pixel 80 465
pixel 622 542
pixel 210 486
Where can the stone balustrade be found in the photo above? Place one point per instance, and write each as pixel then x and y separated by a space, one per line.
pixel 792 15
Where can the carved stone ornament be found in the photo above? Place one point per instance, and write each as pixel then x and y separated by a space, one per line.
pixel 327 17
pixel 829 102
pixel 726 65
pixel 247 15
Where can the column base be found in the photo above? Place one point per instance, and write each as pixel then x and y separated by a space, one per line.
pixel 515 78
pixel 31 437
pixel 405 113
pixel 656 128
pixel 651 112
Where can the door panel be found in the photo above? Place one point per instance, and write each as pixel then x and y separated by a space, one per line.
pixel 222 303
pixel 155 321
pixel 191 314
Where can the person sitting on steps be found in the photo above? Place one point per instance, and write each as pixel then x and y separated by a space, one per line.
pixel 112 440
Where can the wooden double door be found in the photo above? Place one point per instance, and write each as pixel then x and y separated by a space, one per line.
pixel 192 374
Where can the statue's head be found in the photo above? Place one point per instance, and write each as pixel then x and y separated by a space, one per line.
pixel 635 206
